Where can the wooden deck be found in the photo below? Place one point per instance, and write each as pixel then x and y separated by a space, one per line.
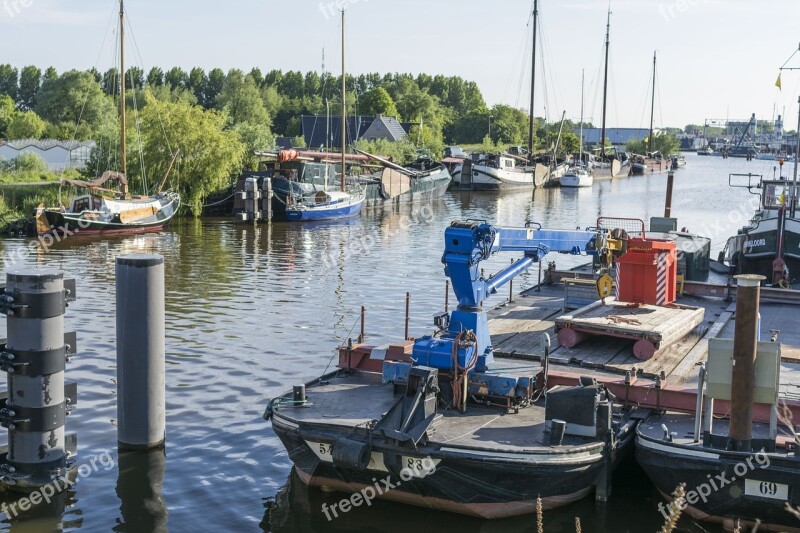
pixel 517 330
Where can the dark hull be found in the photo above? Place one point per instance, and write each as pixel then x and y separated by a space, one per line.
pixel 66 225
pixel 759 245
pixel 423 189
pixel 668 465
pixel 471 484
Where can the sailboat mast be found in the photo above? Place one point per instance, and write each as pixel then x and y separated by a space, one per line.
pixel 122 136
pixel 605 91
pixel 344 107
pixel 581 142
pixel 531 119
pixel 796 157
pixel 652 107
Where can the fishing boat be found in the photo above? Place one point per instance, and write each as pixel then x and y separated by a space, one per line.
pixel 707 150
pixel 326 204
pixel 111 211
pixel 770 244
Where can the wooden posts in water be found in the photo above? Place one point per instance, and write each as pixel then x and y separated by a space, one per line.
pixel 140 351
pixel 363 334
pixel 34 356
pixel 745 344
pixel 668 203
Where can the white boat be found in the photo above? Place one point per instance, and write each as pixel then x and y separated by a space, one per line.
pixel 577 176
pixel 498 171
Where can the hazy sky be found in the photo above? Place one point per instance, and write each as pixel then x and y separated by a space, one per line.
pixel 717 58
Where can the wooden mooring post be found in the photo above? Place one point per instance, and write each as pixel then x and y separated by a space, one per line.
pixel 745 346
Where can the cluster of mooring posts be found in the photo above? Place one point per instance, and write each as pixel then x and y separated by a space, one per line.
pixel 40 456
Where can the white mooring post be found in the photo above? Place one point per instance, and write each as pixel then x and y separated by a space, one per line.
pixel 34 357
pixel 140 351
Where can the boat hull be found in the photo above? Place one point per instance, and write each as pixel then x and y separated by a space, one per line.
pixel 64 223
pixel 478 485
pixel 324 213
pixel 758 244
pixel 573 181
pixel 486 178
pixel 670 464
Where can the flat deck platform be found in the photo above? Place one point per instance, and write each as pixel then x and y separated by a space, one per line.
pixel 517 329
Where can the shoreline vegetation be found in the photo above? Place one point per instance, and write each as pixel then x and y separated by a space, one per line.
pixel 218 121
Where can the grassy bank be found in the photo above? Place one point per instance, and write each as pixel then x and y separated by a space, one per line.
pixel 22 191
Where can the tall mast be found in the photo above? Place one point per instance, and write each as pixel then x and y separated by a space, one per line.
pixel 605 91
pixel 531 119
pixel 581 145
pixel 796 156
pixel 652 106
pixel 344 107
pixel 122 137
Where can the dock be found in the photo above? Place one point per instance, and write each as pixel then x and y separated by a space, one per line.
pixel 666 380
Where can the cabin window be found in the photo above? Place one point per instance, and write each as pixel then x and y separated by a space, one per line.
pixel 508 163
pixel 80 204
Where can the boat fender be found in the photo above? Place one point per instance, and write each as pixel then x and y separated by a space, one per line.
pixel 557 430
pixel 351 454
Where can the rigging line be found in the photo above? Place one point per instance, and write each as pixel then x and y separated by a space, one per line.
pixel 790 58
pixel 139 56
pixel 524 73
pixel 86 95
pixel 521 49
pixel 138 135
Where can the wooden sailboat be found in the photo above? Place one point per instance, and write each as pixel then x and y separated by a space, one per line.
pixel 507 171
pixel 652 161
pixel 607 166
pixel 327 204
pixel 109 211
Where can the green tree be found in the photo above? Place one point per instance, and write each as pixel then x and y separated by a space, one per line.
pixel 7 112
pixel 134 78
pixel 257 76
pixel 8 81
pixel 509 125
pixel 50 74
pixel 155 78
pixel 30 81
pixel 209 155
pixel 256 137
pixel 74 98
pixel 110 81
pixel 176 78
pixel 26 125
pixel 214 86
pixel 378 101
pixel 28 162
pixel 570 143
pixel 197 83
pixel 241 101
pixel 667 144
pixel 636 146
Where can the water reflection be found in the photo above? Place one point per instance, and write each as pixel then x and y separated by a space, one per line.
pixel 139 489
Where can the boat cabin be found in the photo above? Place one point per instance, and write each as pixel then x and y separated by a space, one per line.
pixel 86 202
pixel 775 193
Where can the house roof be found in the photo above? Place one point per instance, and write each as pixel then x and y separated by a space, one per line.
pixel 385 128
pixel 313 128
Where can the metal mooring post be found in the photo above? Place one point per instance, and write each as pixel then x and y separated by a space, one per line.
pixel 141 351
pixel 745 345
pixel 34 356
pixel 668 202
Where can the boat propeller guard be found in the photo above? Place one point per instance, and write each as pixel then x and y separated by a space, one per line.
pixel 408 420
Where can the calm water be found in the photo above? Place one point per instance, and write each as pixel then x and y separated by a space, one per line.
pixel 253 310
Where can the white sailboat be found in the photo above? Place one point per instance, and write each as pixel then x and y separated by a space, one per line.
pixel 578 175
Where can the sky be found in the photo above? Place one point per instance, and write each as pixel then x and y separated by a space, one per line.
pixel 717 59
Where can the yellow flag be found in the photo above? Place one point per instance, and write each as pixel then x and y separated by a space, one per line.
pixel 778 81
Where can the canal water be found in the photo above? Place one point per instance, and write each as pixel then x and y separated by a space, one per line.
pixel 254 310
